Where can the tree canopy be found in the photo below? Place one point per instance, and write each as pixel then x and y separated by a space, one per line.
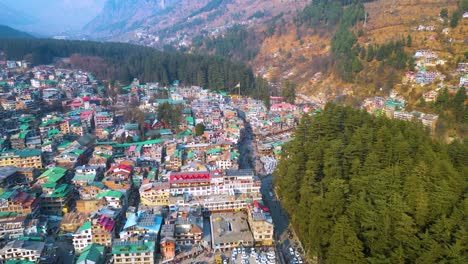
pixel 364 189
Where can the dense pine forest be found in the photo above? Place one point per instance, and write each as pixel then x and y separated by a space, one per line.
pixel 361 189
pixel 119 61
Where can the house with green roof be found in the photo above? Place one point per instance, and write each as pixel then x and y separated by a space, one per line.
pixel 57 199
pixel 113 198
pixel 92 254
pixel 53 175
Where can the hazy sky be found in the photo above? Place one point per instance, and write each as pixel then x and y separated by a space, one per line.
pixel 56 16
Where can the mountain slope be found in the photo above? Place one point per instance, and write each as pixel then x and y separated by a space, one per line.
pixel 119 16
pixel 280 41
pixel 302 53
pixel 178 21
pixel 8 32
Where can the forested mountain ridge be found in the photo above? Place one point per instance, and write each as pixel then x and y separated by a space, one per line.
pixel 362 189
pixel 123 62
pixel 8 32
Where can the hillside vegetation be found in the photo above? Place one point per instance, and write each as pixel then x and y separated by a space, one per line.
pixel 361 189
pixel 301 48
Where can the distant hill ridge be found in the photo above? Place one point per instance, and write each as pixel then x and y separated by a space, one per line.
pixel 9 32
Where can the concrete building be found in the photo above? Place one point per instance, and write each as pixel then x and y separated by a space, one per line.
pixel 25 158
pixel 261 224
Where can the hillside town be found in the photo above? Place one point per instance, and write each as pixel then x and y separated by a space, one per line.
pixel 138 174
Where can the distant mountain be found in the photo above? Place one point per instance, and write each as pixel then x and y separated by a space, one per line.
pixel 178 21
pixel 119 16
pixel 8 32
pixel 12 17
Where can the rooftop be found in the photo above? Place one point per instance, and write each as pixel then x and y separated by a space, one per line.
pixel 92 253
pixel 132 247
pixel 7 171
pixel 230 228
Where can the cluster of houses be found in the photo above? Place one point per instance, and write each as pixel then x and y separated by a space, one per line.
pixel 120 191
pixel 394 107
pixel 425 70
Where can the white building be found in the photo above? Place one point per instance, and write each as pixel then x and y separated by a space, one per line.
pixel 82 237
pixel 22 250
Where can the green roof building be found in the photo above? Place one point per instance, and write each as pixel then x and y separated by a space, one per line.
pixel 92 254
pixel 138 250
pixel 53 175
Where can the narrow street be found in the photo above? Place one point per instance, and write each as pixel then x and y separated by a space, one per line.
pixel 248 157
pixel 249 160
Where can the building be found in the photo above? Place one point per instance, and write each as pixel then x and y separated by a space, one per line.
pixel 73 220
pixel 86 174
pixel 103 119
pixel 88 206
pixel 19 202
pixel 82 238
pixel 9 177
pixel 11 224
pixel 138 252
pixel 102 230
pixel 167 246
pixel 113 198
pixel 430 121
pixel 430 96
pixel 92 254
pixel 230 230
pixel 56 199
pixel 52 175
pixel 22 250
pixel 261 224
pixel 188 230
pixel 153 194
pixel 25 158
pixel 141 224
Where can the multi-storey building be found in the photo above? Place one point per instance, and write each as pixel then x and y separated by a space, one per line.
pixel 56 199
pixel 25 158
pixel 12 224
pixel 73 220
pixel 102 230
pixel 103 119
pixel 82 237
pixel 213 192
pixel 152 194
pixel 261 223
pixel 187 231
pixel 10 177
pixel 20 202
